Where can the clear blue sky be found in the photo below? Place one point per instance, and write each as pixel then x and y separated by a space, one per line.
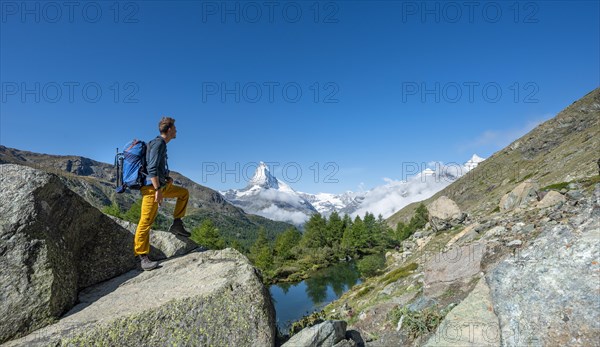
pixel 369 59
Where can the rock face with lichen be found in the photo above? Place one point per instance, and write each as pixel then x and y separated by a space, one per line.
pixel 53 244
pixel 68 277
pixel 548 293
pixel 212 298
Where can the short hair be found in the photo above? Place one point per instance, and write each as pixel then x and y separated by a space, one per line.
pixel 165 124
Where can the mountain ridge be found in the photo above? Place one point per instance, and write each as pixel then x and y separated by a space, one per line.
pixel 563 148
pixel 95 182
pixel 267 196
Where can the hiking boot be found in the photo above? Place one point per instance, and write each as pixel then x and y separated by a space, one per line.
pixel 178 229
pixel 147 264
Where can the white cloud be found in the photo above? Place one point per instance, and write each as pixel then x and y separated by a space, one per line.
pixel 394 195
pixel 391 197
pixel 275 213
pixel 275 195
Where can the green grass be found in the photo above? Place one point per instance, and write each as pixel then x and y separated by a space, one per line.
pixel 307 321
pixel 399 273
pixel 556 186
pixel 529 175
pixel 364 291
pixel 418 323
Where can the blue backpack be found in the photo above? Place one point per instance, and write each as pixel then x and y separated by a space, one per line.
pixel 131 166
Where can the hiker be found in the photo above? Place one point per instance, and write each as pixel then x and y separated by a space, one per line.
pixel 159 185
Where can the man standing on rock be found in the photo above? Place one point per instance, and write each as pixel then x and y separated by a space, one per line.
pixel 157 187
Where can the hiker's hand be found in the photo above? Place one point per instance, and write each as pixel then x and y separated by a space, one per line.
pixel 158 196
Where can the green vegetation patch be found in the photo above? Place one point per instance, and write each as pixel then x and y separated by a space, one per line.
pixel 557 186
pixel 307 321
pixel 399 273
pixel 371 264
pixel 418 323
pixel 364 291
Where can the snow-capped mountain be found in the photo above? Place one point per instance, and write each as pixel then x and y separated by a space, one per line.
pixel 327 203
pixel 266 196
pixel 473 162
pixel 389 198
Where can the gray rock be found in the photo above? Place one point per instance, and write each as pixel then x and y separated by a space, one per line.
pixel 575 194
pixel 440 224
pixel 456 265
pixel 53 244
pixel 212 298
pixel 495 232
pixel 528 228
pixel 471 323
pixel 518 227
pixel 548 293
pixel 345 343
pixel 555 215
pixel 563 191
pixel 461 218
pixel 422 303
pixel 521 196
pixel 418 235
pixel 551 199
pixel 163 244
pixel 325 334
pixel 443 208
pixel 514 243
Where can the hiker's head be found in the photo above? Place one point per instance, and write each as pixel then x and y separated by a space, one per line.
pixel 167 128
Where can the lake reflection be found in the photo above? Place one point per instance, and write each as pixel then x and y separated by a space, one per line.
pixel 294 300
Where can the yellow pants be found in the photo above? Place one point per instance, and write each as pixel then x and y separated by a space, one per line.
pixel 141 240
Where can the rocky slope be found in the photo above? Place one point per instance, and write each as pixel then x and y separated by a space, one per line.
pixel 504 260
pixel 211 298
pixel 94 181
pixel 528 275
pixel 53 244
pixel 562 149
pixel 68 277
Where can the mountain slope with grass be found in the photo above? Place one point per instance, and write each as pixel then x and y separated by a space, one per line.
pixel 507 255
pixel 565 148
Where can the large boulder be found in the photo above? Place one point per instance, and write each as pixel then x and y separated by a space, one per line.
pixel 163 244
pixel 551 199
pixel 471 323
pixel 548 293
pixel 212 298
pixel 53 243
pixel 443 208
pixel 325 334
pixel 454 267
pixel 444 213
pixel 521 196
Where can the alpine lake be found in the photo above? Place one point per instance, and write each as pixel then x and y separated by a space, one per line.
pixel 292 301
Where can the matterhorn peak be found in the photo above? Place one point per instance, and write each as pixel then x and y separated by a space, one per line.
pixel 263 178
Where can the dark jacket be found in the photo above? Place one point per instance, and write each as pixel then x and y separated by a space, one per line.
pixel 156 161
